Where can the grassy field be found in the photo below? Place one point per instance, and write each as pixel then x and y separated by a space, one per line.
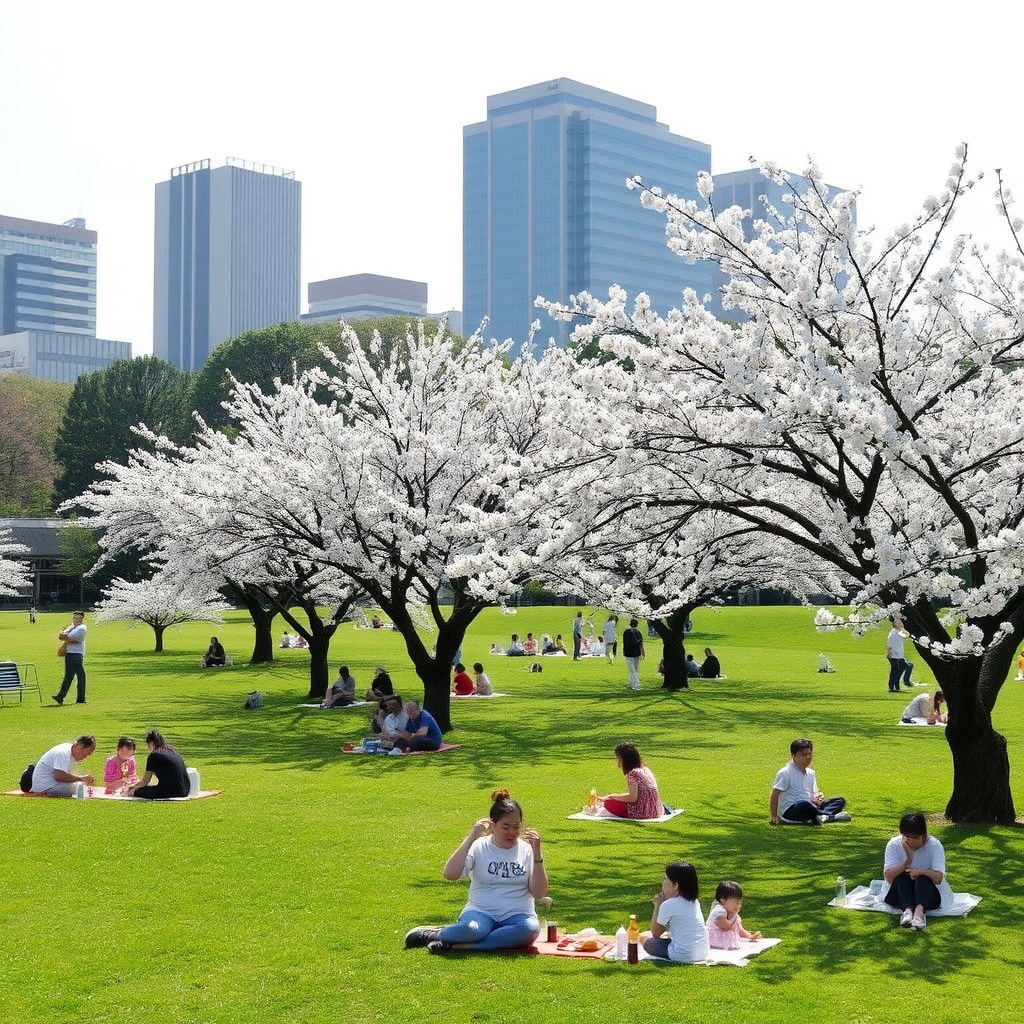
pixel 286 898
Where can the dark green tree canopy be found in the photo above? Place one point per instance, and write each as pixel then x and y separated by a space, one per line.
pixel 103 408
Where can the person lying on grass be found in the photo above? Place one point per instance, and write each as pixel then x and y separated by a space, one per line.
pixel 505 867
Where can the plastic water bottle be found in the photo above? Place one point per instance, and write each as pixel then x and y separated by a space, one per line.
pixel 840 891
pixel 632 941
pixel 592 802
pixel 80 791
pixel 621 943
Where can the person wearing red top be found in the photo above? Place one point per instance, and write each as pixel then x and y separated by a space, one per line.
pixel 643 799
pixel 463 681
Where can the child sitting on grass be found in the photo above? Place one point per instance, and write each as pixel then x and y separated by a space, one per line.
pixel 725 927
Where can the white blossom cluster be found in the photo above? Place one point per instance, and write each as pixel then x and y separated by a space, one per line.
pixel 14 578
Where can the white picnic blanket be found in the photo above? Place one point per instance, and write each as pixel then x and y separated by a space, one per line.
pixel 717 957
pixel 921 721
pixel 476 696
pixel 339 707
pixel 603 815
pixel 872 897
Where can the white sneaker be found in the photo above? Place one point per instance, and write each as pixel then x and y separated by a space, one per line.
pixel 918 923
pixel 842 816
pixel 821 819
pixel 907 918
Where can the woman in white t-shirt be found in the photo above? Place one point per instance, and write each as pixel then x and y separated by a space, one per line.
pixel 506 873
pixel 678 931
pixel 914 866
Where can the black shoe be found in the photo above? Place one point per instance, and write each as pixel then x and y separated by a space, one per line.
pixel 437 946
pixel 59 700
pixel 417 938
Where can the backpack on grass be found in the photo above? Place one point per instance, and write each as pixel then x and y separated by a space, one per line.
pixel 254 701
pixel 26 779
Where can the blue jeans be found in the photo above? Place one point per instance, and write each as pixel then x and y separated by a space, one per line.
pixel 74 667
pixel 804 812
pixel 897 666
pixel 483 932
pixel 910 892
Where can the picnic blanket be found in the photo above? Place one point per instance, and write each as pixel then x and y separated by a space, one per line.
pixel 872 897
pixel 603 815
pixel 725 957
pixel 568 947
pixel 921 721
pixel 402 753
pixel 339 707
pixel 476 696
pixel 98 794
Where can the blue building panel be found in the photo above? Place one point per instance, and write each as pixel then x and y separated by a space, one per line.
pixel 545 185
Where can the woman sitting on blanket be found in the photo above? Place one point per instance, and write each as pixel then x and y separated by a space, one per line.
pixel 506 873
pixel 643 799
pixel 382 686
pixel 215 655
pixel 169 768
pixel 678 932
pixel 342 691
pixel 915 867
pixel 922 706
pixel 482 685
pixel 462 684
pixel 389 720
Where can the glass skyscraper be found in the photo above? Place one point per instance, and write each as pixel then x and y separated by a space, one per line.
pixel 226 256
pixel 546 210
pixel 47 277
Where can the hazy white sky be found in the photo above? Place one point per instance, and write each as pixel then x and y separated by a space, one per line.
pixel 366 103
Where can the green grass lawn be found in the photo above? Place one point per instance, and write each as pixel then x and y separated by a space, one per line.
pixel 286 898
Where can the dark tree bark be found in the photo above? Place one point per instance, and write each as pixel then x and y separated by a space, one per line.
pixel 672 631
pixel 262 619
pixel 159 631
pixel 981 763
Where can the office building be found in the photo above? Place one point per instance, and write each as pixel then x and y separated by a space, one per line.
pixel 546 210
pixel 53 355
pixel 370 296
pixel 226 256
pixel 48 301
pixel 47 277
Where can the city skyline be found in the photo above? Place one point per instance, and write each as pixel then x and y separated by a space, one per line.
pixel 374 132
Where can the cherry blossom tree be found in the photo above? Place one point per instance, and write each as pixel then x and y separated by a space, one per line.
pixel 411 483
pixel 867 409
pixel 163 600
pixel 14 577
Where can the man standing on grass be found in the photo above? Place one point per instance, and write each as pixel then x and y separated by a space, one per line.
pixel 898 665
pixel 577 636
pixel 796 799
pixel 633 653
pixel 54 773
pixel 74 658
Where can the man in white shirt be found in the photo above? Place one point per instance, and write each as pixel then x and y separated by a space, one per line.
pixel 894 652
pixel 74 658
pixel 54 773
pixel 796 799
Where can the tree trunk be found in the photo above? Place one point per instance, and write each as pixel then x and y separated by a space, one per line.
pixel 981 765
pixel 159 631
pixel 672 631
pixel 262 620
